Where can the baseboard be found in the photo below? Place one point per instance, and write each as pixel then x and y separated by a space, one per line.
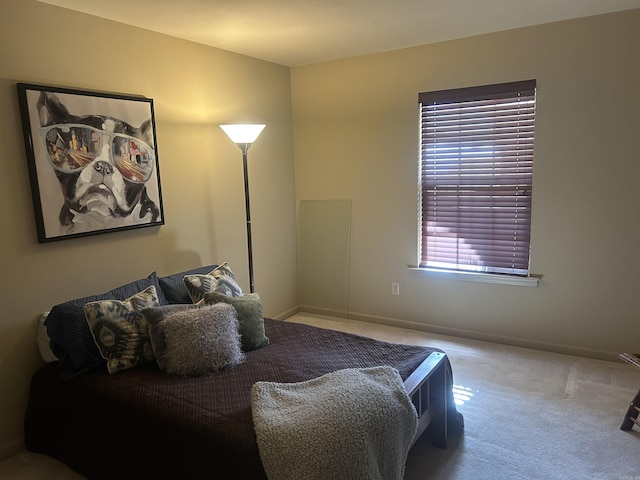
pixel 288 313
pixel 324 311
pixel 11 449
pixel 470 334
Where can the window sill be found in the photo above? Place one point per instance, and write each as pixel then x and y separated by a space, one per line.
pixel 531 281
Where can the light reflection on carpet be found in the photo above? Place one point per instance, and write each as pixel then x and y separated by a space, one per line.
pixel 461 394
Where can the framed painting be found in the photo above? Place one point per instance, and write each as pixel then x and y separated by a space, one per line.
pixel 93 161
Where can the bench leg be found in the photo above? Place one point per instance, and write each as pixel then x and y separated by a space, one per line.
pixel 631 416
pixel 440 422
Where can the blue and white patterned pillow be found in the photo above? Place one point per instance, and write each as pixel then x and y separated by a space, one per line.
pixel 173 285
pixel 221 280
pixel 70 338
pixel 120 331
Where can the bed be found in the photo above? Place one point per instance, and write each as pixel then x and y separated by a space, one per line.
pixel 143 423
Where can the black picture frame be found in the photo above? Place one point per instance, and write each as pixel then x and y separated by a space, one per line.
pixel 93 161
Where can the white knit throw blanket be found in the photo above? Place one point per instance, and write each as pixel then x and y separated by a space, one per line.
pixel 356 423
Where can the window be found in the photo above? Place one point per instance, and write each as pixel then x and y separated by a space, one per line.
pixel 476 178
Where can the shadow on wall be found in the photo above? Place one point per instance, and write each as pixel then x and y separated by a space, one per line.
pixel 175 260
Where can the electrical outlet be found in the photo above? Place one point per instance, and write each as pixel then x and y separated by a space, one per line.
pixel 395 289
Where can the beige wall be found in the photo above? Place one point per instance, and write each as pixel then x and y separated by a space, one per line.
pixel 355 125
pixel 355 137
pixel 194 88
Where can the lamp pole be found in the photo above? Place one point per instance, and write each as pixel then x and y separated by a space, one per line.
pixel 244 135
pixel 245 147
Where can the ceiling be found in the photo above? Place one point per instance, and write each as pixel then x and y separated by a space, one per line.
pixel 299 32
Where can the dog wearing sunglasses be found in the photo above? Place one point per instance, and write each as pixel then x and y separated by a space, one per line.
pixel 102 164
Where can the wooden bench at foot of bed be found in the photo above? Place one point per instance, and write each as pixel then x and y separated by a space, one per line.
pixel 427 387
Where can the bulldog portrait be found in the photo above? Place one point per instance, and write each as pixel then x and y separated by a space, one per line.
pixel 102 165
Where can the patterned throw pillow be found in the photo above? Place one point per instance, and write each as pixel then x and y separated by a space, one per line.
pixel 221 279
pixel 120 331
pixel 173 285
pixel 249 308
pixel 200 341
pixel 71 340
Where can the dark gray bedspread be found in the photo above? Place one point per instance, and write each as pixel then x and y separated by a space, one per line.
pixel 144 424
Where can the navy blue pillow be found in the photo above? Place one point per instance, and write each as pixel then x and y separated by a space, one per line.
pixel 174 288
pixel 71 339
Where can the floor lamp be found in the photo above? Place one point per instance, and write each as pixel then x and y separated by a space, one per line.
pixel 244 135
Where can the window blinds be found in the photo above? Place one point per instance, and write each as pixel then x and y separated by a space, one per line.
pixel 476 177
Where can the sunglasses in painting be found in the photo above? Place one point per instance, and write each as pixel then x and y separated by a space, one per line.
pixel 71 147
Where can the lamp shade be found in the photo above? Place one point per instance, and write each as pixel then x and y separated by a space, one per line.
pixel 243 132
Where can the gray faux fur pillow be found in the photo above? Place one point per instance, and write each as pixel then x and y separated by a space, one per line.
pixel 154 316
pixel 201 341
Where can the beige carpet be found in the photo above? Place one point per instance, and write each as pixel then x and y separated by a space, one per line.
pixel 528 415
